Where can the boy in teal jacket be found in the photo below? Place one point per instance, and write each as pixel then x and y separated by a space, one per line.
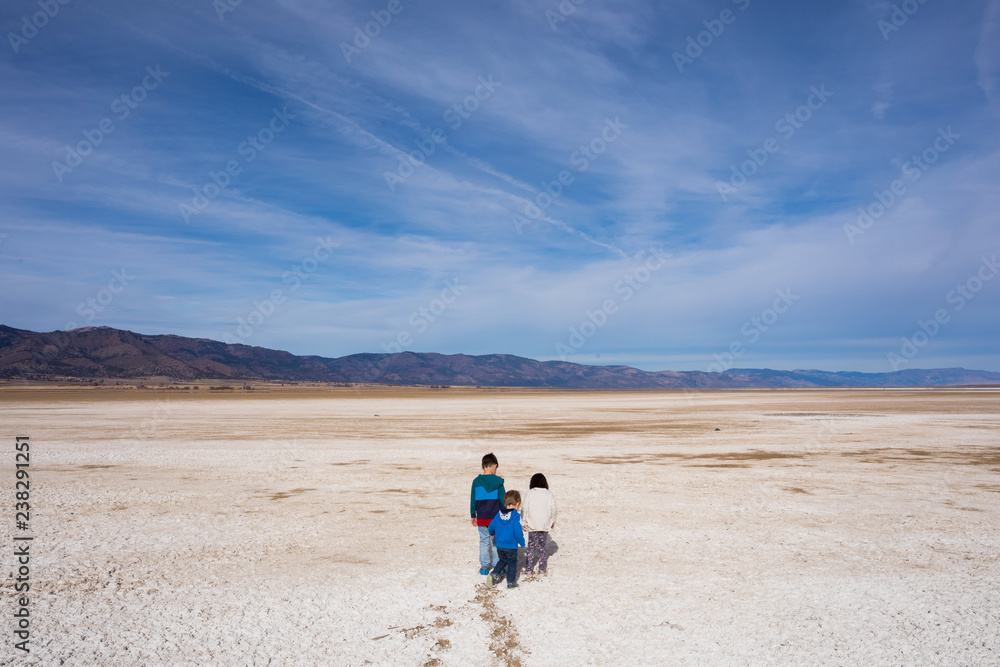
pixel 487 500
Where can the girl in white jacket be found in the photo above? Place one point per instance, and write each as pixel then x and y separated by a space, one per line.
pixel 538 516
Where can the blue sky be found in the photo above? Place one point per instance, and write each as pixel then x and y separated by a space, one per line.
pixel 570 207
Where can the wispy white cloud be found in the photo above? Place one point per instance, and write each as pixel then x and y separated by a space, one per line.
pixel 655 186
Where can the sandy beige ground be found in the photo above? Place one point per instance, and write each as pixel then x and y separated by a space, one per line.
pixel 331 527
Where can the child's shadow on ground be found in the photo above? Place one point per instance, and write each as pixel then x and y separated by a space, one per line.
pixel 522 554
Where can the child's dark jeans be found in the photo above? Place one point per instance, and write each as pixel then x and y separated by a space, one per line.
pixel 508 563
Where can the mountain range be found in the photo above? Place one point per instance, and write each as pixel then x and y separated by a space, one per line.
pixel 91 353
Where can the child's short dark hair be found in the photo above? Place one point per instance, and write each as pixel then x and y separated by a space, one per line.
pixel 490 460
pixel 511 498
pixel 538 481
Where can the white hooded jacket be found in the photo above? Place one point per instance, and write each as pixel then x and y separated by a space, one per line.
pixel 538 510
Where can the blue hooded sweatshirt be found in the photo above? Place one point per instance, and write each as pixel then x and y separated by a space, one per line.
pixel 506 525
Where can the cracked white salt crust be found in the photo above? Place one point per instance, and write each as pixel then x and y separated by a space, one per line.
pixel 847 527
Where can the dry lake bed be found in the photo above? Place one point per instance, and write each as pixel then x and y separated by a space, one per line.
pixel 330 526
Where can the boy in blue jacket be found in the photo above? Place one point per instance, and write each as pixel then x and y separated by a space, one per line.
pixel 506 528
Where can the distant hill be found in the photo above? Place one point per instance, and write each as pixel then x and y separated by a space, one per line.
pixel 103 352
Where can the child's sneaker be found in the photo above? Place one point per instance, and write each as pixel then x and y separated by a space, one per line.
pixel 510 586
pixel 484 572
pixel 489 580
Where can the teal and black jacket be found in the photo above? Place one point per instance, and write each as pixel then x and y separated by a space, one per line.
pixel 487 498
